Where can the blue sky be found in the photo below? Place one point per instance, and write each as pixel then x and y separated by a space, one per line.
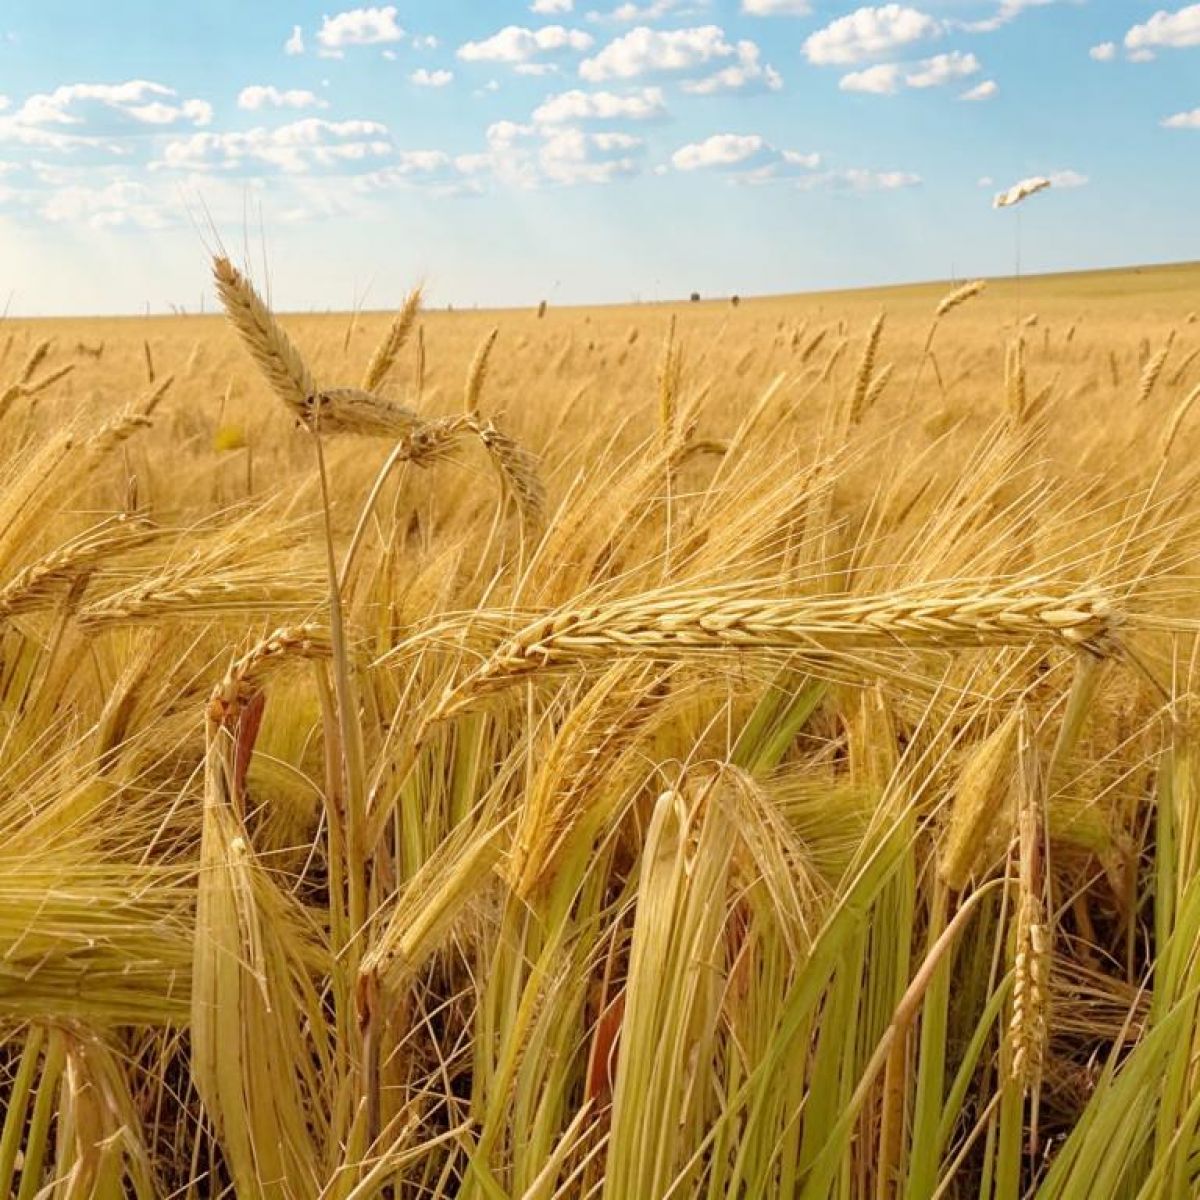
pixel 583 151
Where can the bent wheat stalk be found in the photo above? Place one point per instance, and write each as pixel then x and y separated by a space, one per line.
pixel 667 626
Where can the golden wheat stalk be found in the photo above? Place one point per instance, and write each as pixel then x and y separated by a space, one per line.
pixel 388 350
pixel 270 347
pixel 1153 369
pixel 247 674
pixel 959 297
pixel 42 582
pixel 477 374
pixel 687 623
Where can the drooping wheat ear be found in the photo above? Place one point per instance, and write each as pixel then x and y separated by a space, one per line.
pixel 1177 418
pixel 1031 321
pixel 669 379
pixel 351 410
pixel 272 350
pixel 44 581
pixel 420 361
pixel 34 361
pixel 433 441
pixel 1032 950
pixel 149 361
pixel 1015 382
pixel 958 297
pixel 866 369
pixel 1176 376
pixel 979 795
pixel 125 424
pixel 40 385
pixel 668 626
pixel 1153 369
pixel 246 674
pixel 814 344
pixel 478 374
pixel 1114 369
pixel 388 350
pixel 518 471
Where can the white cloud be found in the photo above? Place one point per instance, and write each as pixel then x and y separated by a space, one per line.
pixel 885 79
pixel 259 95
pixel 425 41
pixel 531 156
pixel 776 8
pixel 295 148
pixel 536 69
pixel 123 202
pixel 1067 179
pixel 1008 11
pixel 139 100
pixel 515 44
pixel 747 72
pixel 719 150
pixel 1183 120
pixel 432 79
pixel 644 105
pixel 982 91
pixel 644 51
pixel 1165 30
pixel 985 181
pixel 359 27
pixel 1105 52
pixel 942 69
pixel 868 33
pixel 295 43
pixel 548 8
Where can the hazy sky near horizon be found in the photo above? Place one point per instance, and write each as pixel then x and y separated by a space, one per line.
pixel 518 149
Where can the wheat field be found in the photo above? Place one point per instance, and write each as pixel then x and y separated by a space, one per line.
pixel 696 750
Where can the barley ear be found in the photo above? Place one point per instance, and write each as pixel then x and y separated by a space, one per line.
pixel 272 350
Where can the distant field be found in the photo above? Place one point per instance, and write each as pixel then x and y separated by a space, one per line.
pixel 664 751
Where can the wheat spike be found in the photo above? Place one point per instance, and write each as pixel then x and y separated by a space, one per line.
pixel 1153 369
pixel 477 374
pixel 270 347
pixel 388 350
pixel 959 297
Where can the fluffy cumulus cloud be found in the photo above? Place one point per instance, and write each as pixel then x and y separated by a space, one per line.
pixel 295 43
pixel 258 96
pixel 301 146
pixel 359 27
pixel 1067 179
pixel 431 79
pixel 981 91
pixel 749 159
pixel 1183 120
pixel 515 44
pixel 885 79
pixel 534 156
pixel 646 104
pixel 550 8
pixel 869 33
pixel 1164 31
pixel 748 72
pixel 646 51
pixel 1105 52
pixel 719 150
pixel 776 8
pixel 139 101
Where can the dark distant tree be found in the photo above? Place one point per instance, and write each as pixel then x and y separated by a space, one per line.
pixel 695 297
